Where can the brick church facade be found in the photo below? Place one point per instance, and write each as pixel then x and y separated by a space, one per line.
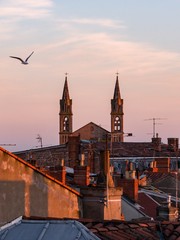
pixel 91 131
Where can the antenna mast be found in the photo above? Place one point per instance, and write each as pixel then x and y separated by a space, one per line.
pixel 154 120
pixel 39 138
pixel 7 144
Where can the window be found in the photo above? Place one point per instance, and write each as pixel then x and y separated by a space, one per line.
pixel 117 124
pixel 66 124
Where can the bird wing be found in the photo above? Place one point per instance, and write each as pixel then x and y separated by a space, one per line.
pixel 17 58
pixel 29 56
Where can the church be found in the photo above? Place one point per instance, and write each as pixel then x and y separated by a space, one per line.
pixel 100 162
pixel 89 140
pixel 91 131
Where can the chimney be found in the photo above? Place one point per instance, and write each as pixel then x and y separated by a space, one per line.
pixel 173 144
pixel 73 150
pixel 153 167
pixel 130 186
pixel 167 212
pixel 156 141
pixel 82 159
pixel 104 175
pixel 163 164
pixel 82 173
pixel 62 172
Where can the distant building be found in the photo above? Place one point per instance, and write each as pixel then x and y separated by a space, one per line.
pixel 91 150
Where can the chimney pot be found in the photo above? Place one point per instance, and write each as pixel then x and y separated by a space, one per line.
pixel 62 162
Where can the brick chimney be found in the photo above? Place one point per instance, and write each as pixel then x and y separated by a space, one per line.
pixel 156 141
pixel 153 166
pixel 57 172
pixel 73 150
pixel 130 187
pixel 173 144
pixel 163 164
pixel 82 173
pixel 130 183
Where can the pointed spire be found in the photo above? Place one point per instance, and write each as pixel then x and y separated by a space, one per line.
pixel 65 95
pixel 117 95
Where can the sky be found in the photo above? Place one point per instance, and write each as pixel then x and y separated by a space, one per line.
pixel 91 41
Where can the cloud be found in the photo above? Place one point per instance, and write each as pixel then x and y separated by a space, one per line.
pixel 25 9
pixel 14 12
pixel 97 22
pixel 99 50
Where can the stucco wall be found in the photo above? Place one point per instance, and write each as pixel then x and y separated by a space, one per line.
pixel 25 191
pixel 95 205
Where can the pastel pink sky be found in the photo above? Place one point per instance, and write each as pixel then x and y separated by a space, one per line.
pixel 91 46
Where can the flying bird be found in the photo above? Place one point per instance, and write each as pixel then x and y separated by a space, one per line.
pixel 22 61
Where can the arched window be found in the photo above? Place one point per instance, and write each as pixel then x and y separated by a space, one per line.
pixel 117 124
pixel 66 124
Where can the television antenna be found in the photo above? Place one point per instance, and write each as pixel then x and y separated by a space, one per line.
pixel 39 138
pixel 7 144
pixel 154 121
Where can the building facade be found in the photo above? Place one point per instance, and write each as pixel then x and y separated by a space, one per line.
pixel 91 131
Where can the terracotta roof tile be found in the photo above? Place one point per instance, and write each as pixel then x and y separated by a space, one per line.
pixel 143 225
pixel 133 225
pixel 98 225
pixel 112 228
pixel 122 226
pixel 119 235
pixel 172 237
pixel 168 230
pixel 177 229
pixel 146 233
pixel 102 229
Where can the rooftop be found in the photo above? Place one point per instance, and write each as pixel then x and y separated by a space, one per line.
pixel 36 228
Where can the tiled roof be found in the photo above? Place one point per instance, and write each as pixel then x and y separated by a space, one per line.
pixel 143 149
pixel 135 230
pixel 165 182
pixel 90 123
pixel 155 176
pixel 120 149
pixel 148 204
pixel 142 229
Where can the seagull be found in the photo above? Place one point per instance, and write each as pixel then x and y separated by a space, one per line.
pixel 22 61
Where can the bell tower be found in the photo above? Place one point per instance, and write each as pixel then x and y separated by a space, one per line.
pixel 117 131
pixel 65 114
